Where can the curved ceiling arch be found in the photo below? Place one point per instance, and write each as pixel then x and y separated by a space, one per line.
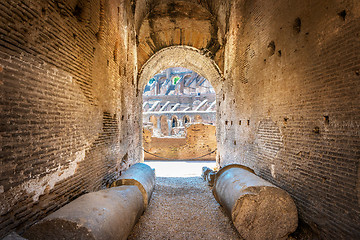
pixel 174 23
pixel 181 56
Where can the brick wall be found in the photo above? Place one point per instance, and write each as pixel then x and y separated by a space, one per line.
pixel 290 105
pixel 64 126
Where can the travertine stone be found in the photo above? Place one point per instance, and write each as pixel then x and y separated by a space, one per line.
pixel 205 172
pixel 106 214
pixel 13 236
pixel 258 209
pixel 140 175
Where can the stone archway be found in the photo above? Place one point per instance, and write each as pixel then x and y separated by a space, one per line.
pixel 186 119
pixel 181 56
pixel 174 121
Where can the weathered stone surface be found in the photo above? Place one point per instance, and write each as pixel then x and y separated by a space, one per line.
pixel 208 175
pixel 258 209
pixel 13 236
pixel 205 172
pixel 106 214
pixel 141 176
pixel 200 140
pixel 211 178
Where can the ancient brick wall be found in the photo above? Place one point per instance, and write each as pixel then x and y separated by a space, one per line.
pixel 64 66
pixel 290 105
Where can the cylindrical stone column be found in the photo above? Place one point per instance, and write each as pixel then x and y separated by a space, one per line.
pixel 258 209
pixel 140 175
pixel 103 215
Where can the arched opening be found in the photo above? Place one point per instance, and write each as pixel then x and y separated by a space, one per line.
pixel 164 128
pixel 174 122
pixel 186 103
pixel 153 120
pixel 186 120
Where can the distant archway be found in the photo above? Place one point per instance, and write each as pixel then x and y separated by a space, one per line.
pixel 164 127
pixel 181 56
pixel 174 122
pixel 186 119
pixel 153 120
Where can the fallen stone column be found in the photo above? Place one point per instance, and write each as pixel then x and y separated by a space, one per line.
pixel 13 236
pixel 205 172
pixel 258 209
pixel 106 214
pixel 140 175
pixel 208 175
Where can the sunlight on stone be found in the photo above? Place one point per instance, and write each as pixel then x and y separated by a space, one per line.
pixel 179 168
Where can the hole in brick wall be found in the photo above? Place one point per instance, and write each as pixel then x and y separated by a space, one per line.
pixel 234 142
pixel 94 49
pixel 118 10
pixel 316 130
pixel 74 36
pixel 342 14
pixel 219 104
pixel 285 120
pixel 239 122
pixel 223 97
pixel 279 53
pixel 133 6
pixel 122 117
pixel 297 25
pixel 324 179
pixel 226 122
pixel 357 72
pixel 43 11
pixel 231 123
pixel 248 122
pixel 77 12
pixel 115 52
pixel 326 120
pixel 123 70
pixel 107 62
pixel 271 48
pixel 234 101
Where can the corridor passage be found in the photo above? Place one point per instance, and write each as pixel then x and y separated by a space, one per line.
pixel 183 207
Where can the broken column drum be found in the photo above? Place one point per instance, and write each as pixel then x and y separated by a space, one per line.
pixel 258 209
pixel 140 175
pixel 106 214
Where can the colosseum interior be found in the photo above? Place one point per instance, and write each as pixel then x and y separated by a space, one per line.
pixel 287 79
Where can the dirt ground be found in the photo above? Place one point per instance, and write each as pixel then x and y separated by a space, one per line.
pixel 183 208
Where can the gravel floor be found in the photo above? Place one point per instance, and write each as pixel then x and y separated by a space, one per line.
pixel 183 208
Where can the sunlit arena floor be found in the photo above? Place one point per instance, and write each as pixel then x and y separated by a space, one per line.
pixel 182 206
pixel 179 168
